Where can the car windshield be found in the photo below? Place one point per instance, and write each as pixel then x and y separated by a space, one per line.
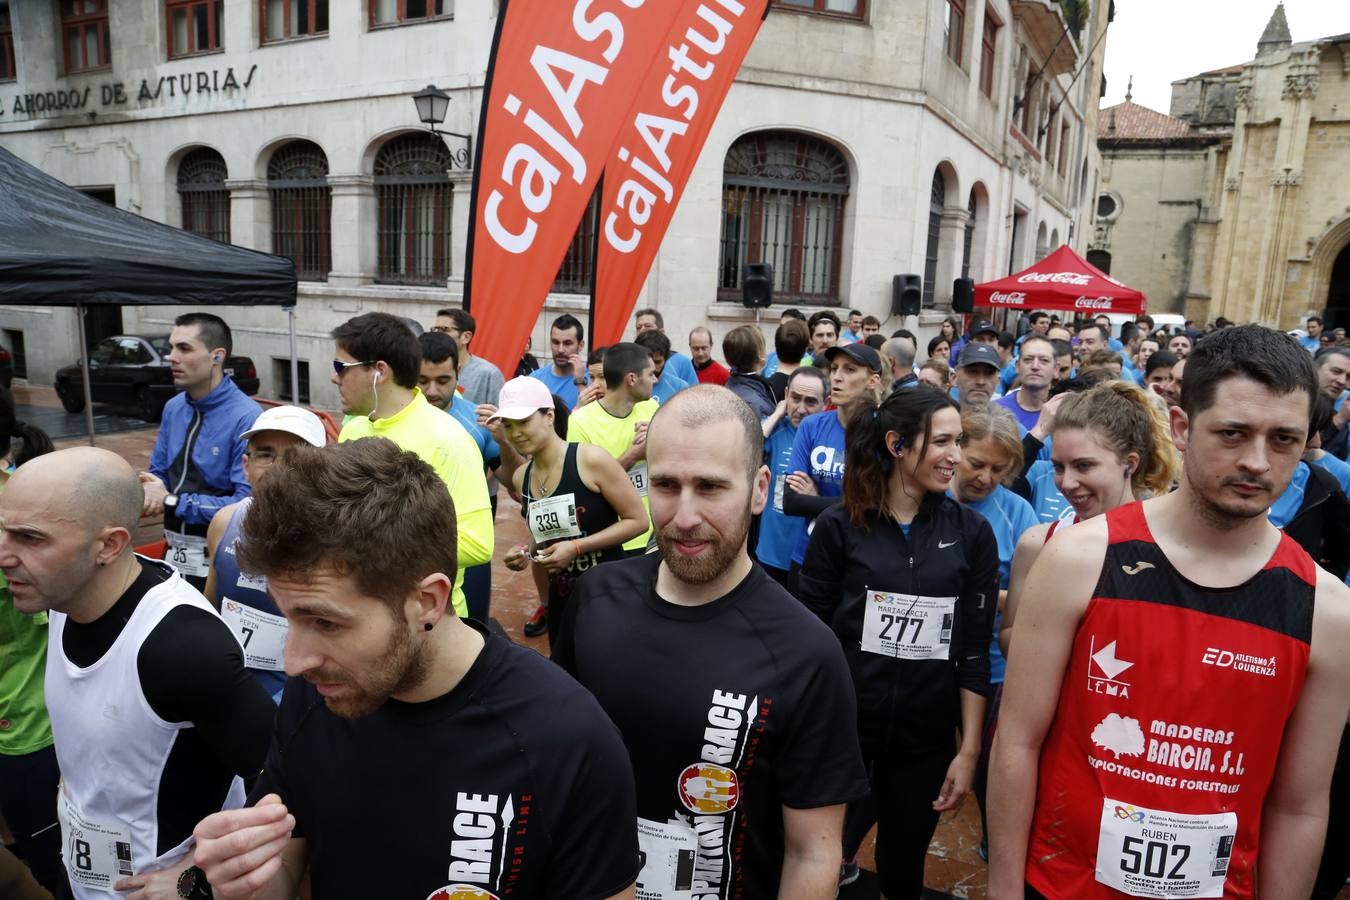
pixel 161 345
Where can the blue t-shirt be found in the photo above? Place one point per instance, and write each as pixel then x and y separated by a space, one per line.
pixel 818 450
pixel 1286 506
pixel 466 414
pixel 1007 377
pixel 559 384
pixel 1310 343
pixel 667 385
pixel 778 532
pixel 1337 467
pixel 1048 503
pixel 681 366
pixel 1026 418
pixel 1010 516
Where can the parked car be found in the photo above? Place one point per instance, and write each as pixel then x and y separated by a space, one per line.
pixel 133 370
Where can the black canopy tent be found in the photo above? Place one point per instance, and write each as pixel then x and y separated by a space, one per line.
pixel 59 247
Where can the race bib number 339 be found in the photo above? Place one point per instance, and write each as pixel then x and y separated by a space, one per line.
pixel 907 626
pixel 1153 853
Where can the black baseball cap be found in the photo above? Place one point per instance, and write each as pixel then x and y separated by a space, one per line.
pixel 858 352
pixel 979 355
pixel 983 328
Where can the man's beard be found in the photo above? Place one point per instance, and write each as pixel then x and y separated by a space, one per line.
pixel 401 667
pixel 712 563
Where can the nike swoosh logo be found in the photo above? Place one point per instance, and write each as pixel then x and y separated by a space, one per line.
pixel 1137 568
pixel 943 545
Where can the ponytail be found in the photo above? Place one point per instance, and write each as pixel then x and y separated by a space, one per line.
pixel 1127 421
pixel 868 461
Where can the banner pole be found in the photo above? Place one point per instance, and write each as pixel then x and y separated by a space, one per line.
pixel 595 254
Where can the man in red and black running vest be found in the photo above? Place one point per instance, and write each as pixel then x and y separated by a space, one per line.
pixel 1172 712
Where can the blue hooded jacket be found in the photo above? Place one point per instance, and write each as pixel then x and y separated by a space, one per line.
pixel 213 426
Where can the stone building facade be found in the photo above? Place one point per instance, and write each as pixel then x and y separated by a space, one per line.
pixel 287 126
pixel 1256 155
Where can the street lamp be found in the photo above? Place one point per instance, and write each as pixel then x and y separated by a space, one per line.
pixel 432 104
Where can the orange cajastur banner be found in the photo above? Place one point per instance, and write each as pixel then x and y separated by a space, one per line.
pixel 561 77
pixel 662 136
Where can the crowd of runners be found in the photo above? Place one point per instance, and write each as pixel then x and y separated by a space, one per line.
pixel 1093 575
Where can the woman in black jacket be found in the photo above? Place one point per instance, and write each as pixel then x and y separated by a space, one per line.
pixel 908 580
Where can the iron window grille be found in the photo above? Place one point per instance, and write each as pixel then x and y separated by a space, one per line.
pixel 578 266
pixel 937 203
pixel 413 193
pixel 204 197
pixel 302 205
pixel 969 240
pixel 783 202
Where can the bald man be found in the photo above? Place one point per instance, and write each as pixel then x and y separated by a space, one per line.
pixel 770 677
pixel 155 718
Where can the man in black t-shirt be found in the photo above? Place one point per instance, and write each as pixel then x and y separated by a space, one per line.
pixel 734 702
pixel 417 756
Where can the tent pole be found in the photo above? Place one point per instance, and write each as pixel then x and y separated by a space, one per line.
pixel 295 361
pixel 84 370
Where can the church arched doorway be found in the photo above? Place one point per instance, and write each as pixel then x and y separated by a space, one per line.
pixel 1338 291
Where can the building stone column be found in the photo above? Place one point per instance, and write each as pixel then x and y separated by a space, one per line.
pixel 353 226
pixel 461 211
pixel 951 251
pixel 250 216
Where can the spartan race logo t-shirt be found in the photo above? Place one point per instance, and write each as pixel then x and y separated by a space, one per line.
pixel 730 711
pixel 513 785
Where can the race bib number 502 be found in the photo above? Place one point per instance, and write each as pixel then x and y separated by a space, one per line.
pixel 1153 853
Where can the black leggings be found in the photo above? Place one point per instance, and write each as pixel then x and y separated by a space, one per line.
pixel 28 787
pixel 903 791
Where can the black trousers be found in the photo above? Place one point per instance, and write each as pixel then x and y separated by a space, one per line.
pixel 28 786
pixel 901 805
pixel 1336 851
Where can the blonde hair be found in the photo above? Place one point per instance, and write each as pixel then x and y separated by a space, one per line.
pixel 1127 422
pixel 993 421
pixel 940 367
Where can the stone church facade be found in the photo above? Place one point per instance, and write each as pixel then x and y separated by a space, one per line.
pixel 1236 204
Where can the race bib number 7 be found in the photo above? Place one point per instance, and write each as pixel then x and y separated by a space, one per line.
pixel 1152 853
pixel 906 626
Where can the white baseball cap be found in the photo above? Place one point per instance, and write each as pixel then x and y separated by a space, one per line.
pixel 521 397
pixel 293 420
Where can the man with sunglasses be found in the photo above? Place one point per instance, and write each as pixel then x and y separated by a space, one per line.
pixel 375 368
pixel 241 599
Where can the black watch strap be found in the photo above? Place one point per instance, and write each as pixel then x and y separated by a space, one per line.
pixel 192 885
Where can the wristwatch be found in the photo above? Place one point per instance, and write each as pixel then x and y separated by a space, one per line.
pixel 192 884
pixel 170 501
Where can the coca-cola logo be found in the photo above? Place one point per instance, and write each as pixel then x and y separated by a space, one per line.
pixel 1007 298
pixel 1072 278
pixel 1093 302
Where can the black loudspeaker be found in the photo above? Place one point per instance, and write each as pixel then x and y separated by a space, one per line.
pixel 906 295
pixel 756 285
pixel 963 295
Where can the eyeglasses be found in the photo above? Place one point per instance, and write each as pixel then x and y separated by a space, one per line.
pixel 340 367
pixel 441 329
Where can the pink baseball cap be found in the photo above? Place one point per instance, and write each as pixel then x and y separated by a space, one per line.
pixel 521 397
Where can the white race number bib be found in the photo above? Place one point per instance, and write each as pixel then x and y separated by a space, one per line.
pixel 778 485
pixel 97 854
pixel 667 851
pixel 1151 853
pixel 638 475
pixel 554 518
pixel 906 626
pixel 261 635
pixel 187 554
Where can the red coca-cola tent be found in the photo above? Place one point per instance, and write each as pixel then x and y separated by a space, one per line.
pixel 1062 281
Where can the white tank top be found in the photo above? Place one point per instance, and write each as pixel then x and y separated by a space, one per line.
pixel 112 750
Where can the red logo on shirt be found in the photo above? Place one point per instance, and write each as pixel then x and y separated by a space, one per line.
pixel 461 892
pixel 709 789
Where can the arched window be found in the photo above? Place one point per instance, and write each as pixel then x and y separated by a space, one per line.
pixel 302 203
pixel 969 241
pixel 937 202
pixel 203 195
pixel 783 197
pixel 1054 241
pixel 412 190
pixel 1101 259
pixel 578 265
pixel 1041 238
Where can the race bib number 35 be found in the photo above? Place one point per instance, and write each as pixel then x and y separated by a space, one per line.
pixel 187 554
pixel 1152 853
pixel 906 626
